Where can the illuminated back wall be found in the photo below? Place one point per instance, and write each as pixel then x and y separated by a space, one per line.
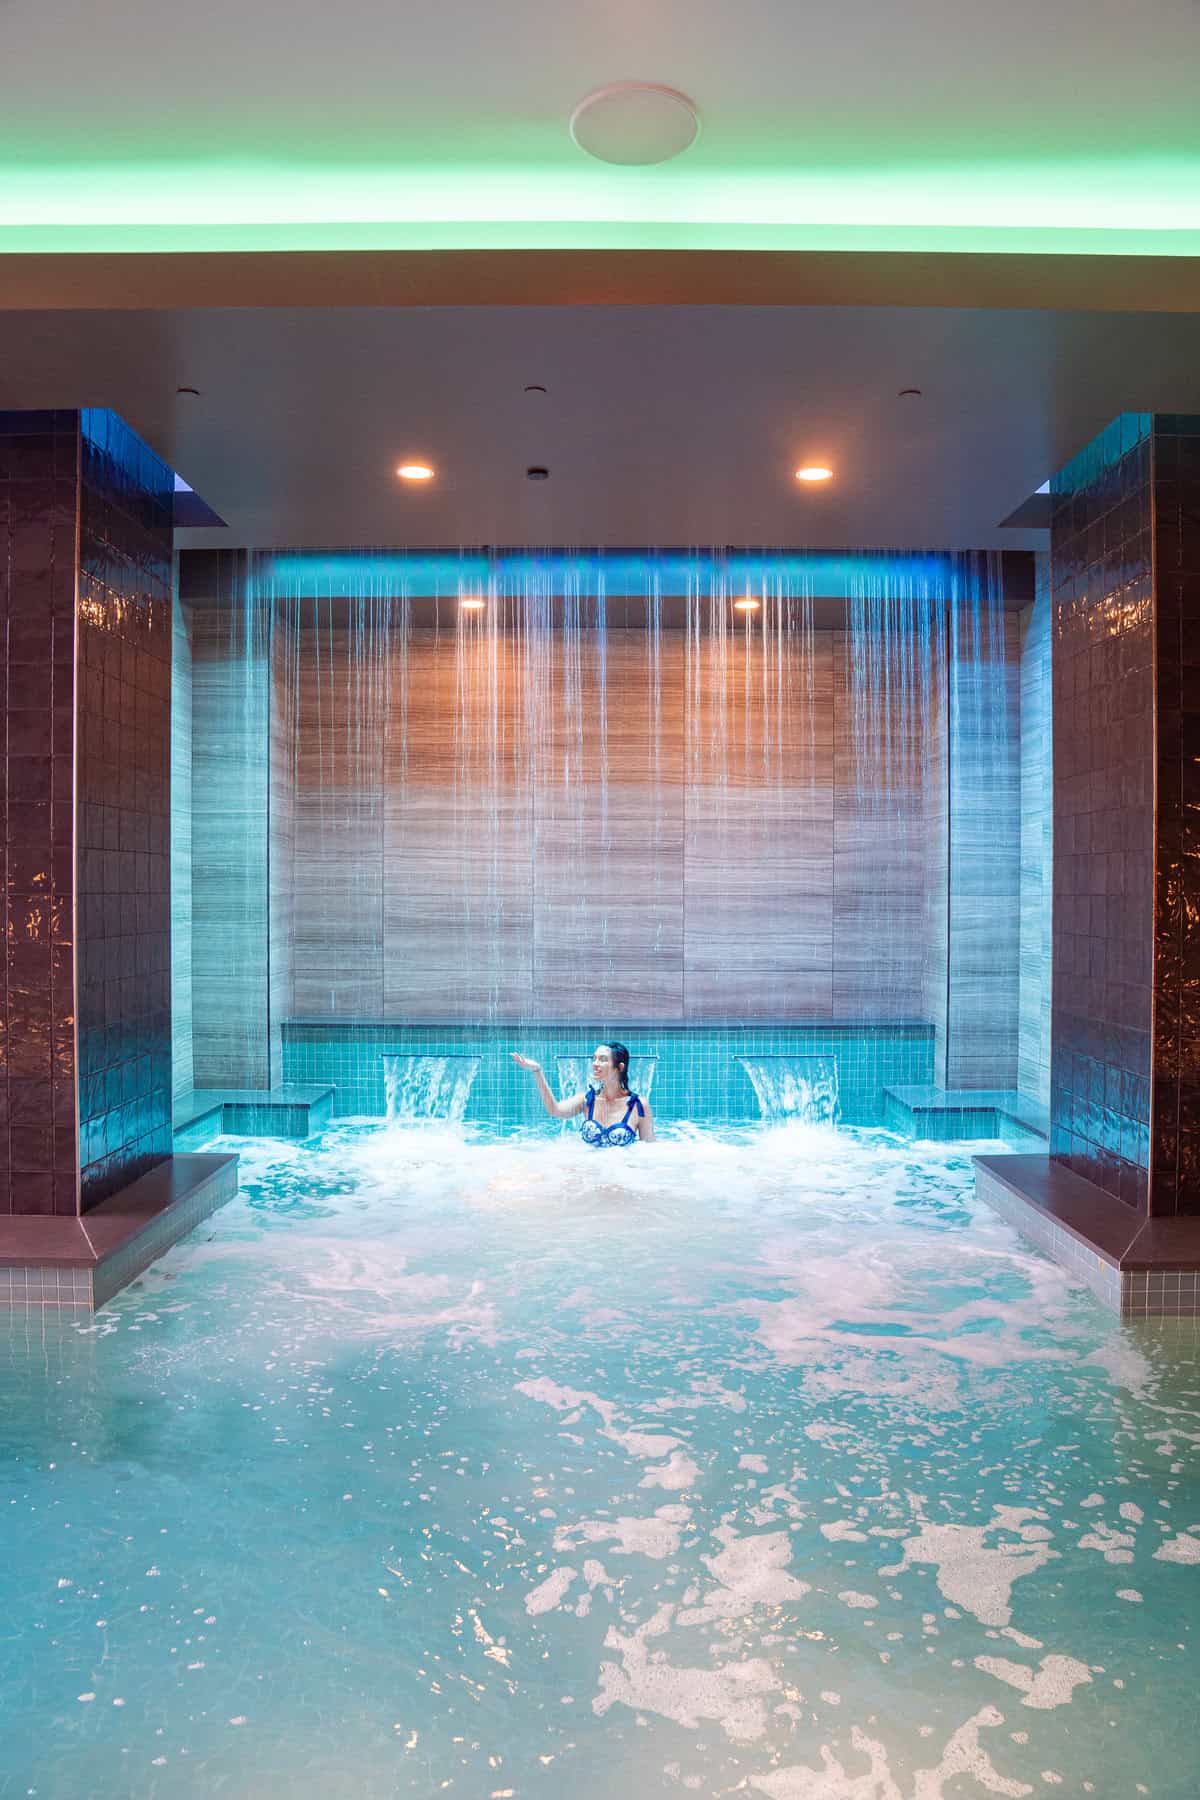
pixel 408 810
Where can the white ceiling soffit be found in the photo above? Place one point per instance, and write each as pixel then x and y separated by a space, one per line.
pixel 657 425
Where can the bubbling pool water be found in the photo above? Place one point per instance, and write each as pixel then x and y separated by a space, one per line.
pixel 753 1461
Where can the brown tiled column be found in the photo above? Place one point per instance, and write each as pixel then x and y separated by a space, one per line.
pixel 85 670
pixel 1125 1056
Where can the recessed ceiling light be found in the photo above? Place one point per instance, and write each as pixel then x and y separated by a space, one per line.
pixel 814 472
pixel 415 471
pixel 634 123
pixel 747 604
pixel 471 603
pixel 537 473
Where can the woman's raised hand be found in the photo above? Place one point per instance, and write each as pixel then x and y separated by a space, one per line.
pixel 525 1062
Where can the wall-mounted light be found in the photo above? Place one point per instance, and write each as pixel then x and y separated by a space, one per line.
pixel 747 605
pixel 814 472
pixel 471 603
pixel 415 471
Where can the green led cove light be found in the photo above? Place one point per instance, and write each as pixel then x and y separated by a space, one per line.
pixel 1145 205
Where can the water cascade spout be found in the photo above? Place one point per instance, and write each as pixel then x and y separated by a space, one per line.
pixel 428 1087
pixel 802 1088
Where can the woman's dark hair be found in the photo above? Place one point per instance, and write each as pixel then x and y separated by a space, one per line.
pixel 620 1056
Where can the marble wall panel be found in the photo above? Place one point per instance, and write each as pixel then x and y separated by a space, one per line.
pixel 231 770
pixel 884 787
pixel 281 832
pixel 983 941
pixel 183 1069
pixel 1037 875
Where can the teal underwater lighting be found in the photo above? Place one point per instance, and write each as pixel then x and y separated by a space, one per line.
pixel 319 574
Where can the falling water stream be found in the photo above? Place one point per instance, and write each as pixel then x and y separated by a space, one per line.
pixel 428 1087
pixel 802 1088
pixel 597 791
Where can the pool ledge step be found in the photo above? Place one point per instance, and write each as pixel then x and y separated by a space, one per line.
pixel 295 1110
pixel 1141 1268
pixel 76 1264
pixel 948 1114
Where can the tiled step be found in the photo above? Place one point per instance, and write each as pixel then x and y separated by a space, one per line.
pixel 76 1264
pixel 1141 1267
pixel 290 1112
pixel 947 1114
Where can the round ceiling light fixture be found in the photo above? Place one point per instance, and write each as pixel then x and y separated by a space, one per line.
pixel 813 472
pixel 635 123
pixel 415 471
pixel 537 472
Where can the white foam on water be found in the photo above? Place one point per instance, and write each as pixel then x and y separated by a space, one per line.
pixel 972 1573
pixel 756 1464
pixel 705 1390
pixel 549 1593
pixel 849 1597
pixel 1184 1548
pixel 657 1537
pixel 679 1471
pixel 568 1399
pixel 749 1572
pixel 1114 1546
pixel 731 1695
pixel 962 1755
pixel 1128 1366
pixel 1052 1684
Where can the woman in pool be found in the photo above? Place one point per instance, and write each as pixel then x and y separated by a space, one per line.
pixel 615 1115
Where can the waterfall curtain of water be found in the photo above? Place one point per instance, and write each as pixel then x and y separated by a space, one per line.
pixel 803 1089
pixel 550 788
pixel 428 1087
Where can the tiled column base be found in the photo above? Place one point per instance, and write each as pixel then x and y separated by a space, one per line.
pixel 75 1265
pixel 1141 1268
pixel 50 1288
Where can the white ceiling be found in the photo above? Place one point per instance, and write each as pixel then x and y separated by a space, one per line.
pixel 382 80
pixel 661 425
pixel 1078 112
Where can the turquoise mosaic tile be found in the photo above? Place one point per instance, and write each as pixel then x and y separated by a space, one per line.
pixel 698 1076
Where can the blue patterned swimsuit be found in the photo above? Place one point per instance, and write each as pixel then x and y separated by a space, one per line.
pixel 611 1137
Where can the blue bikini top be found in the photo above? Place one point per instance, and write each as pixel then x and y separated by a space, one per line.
pixel 611 1137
